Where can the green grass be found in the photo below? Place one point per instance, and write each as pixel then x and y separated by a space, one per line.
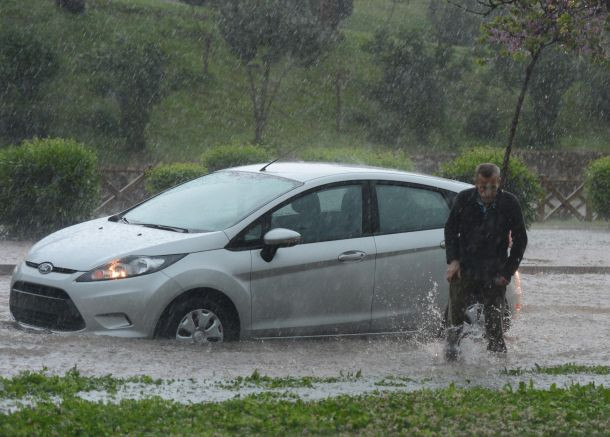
pixel 201 111
pixel 563 369
pixel 577 410
pixel 268 382
pixel 42 386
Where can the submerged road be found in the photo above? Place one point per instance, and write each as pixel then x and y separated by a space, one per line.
pixel 565 318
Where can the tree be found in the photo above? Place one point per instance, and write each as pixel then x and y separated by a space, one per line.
pixel 132 74
pixel 524 28
pixel 410 90
pixel 26 66
pixel 73 6
pixel 266 34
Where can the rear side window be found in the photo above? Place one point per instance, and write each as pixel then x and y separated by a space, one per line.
pixel 405 208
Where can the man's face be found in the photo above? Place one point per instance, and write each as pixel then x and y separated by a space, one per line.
pixel 487 187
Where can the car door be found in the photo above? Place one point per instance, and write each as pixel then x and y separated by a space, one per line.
pixel 410 285
pixel 324 284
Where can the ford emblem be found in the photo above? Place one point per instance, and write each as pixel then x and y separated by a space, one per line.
pixel 45 268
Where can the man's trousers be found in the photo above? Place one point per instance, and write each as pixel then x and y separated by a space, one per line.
pixel 465 292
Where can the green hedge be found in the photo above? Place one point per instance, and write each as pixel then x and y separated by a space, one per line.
pixel 46 185
pixel 598 186
pixel 166 176
pixel 233 155
pixel 357 155
pixel 521 181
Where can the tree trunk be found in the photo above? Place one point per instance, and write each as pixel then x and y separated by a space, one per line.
pixel 338 88
pixel 515 121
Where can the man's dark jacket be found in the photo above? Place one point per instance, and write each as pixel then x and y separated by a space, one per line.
pixel 478 237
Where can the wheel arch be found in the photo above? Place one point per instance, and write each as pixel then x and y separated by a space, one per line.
pixel 215 294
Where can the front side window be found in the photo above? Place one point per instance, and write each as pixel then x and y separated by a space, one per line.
pixel 333 213
pixel 404 208
pixel 211 203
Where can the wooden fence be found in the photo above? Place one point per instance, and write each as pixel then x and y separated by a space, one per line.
pixel 563 198
pixel 121 188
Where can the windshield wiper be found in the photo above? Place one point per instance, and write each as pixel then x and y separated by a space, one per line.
pixel 163 227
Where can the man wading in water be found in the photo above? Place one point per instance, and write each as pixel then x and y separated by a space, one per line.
pixel 477 236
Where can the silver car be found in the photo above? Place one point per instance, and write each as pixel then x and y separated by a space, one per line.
pixel 295 249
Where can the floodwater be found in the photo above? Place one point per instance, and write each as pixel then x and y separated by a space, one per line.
pixel 565 318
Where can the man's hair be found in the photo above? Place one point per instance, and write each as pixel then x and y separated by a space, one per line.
pixel 486 170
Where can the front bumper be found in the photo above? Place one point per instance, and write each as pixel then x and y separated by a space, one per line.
pixel 55 301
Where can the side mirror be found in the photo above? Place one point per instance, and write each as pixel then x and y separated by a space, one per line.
pixel 276 238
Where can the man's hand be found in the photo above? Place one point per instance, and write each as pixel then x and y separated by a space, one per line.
pixel 453 270
pixel 500 281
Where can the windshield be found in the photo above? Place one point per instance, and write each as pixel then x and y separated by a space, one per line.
pixel 211 203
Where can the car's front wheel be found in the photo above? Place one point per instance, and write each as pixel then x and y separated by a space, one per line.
pixel 199 320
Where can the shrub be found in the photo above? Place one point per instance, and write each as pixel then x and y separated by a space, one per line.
pixel 347 155
pixel 27 65
pixel 598 186
pixel 73 6
pixel 521 181
pixel 132 73
pixel 46 185
pixel 233 155
pixel 166 176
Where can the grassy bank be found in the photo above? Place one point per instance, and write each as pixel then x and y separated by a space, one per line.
pixel 57 409
pixel 583 410
pixel 200 110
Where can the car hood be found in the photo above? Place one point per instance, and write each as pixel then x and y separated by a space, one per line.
pixel 88 245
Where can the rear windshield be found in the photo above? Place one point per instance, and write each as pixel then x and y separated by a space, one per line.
pixel 213 202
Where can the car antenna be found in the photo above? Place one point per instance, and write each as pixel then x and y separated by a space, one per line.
pixel 281 156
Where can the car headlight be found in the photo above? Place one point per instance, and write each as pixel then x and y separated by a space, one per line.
pixel 128 267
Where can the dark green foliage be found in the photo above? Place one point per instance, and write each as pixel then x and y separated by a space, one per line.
pixel 27 64
pixel 551 78
pixel 265 33
pixel 410 91
pixel 598 186
pixel 452 25
pixel 131 73
pixel 73 6
pixel 349 155
pixel 233 155
pixel 166 176
pixel 522 182
pixel 46 185
pixel 483 120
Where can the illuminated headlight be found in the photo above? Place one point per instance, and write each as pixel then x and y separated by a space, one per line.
pixel 130 266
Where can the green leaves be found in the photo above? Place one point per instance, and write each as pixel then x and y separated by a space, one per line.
pixel 46 185
pixel 166 176
pixel 598 186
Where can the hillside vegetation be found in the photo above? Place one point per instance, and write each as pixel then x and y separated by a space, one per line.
pixel 198 110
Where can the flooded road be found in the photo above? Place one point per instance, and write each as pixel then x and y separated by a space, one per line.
pixel 565 318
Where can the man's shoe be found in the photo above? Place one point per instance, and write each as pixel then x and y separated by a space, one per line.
pixel 452 350
pixel 451 354
pixel 497 346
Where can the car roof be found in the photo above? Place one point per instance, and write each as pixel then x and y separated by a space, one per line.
pixel 307 171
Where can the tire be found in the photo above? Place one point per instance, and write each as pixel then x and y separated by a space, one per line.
pixel 208 321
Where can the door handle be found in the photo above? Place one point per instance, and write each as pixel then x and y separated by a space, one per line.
pixel 443 244
pixel 352 255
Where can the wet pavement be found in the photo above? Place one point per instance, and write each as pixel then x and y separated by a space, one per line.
pixel 565 318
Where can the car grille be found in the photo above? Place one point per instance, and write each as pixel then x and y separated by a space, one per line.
pixel 44 307
pixel 55 269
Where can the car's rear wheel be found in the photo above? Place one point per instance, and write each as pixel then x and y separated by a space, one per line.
pixel 199 319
